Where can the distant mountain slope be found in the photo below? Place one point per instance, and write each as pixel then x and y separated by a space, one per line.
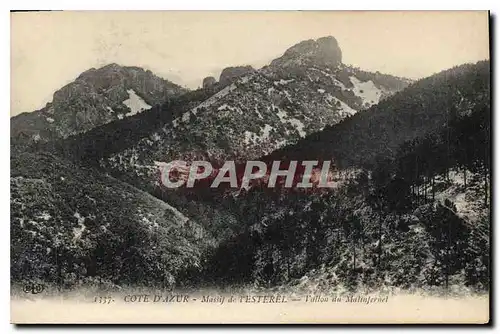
pixel 424 107
pixel 96 97
pixel 265 109
pixel 121 134
pixel 71 225
pixel 251 113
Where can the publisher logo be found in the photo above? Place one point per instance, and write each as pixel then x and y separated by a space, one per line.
pixel 33 288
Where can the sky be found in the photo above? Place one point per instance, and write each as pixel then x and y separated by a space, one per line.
pixel 50 49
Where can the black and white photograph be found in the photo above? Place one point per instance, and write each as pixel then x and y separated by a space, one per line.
pixel 278 167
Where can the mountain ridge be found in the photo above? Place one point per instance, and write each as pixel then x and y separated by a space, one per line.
pixel 95 97
pixel 261 110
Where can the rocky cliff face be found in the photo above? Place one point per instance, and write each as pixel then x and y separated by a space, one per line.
pixel 230 74
pixel 209 82
pixel 96 97
pixel 324 51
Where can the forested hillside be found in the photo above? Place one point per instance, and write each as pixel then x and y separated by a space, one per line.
pixel 424 107
pixel 411 165
pixel 72 226
pixel 418 217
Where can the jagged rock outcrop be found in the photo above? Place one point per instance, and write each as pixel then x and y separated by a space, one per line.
pixel 323 51
pixel 209 82
pixel 230 74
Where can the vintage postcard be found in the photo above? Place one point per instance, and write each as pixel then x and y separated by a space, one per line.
pixel 277 167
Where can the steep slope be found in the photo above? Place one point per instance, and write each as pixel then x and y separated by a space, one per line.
pixel 258 111
pixel 415 213
pixel 424 107
pixel 96 97
pixel 73 226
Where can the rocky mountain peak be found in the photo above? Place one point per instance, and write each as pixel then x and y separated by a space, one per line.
pixel 105 71
pixel 323 51
pixel 114 74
